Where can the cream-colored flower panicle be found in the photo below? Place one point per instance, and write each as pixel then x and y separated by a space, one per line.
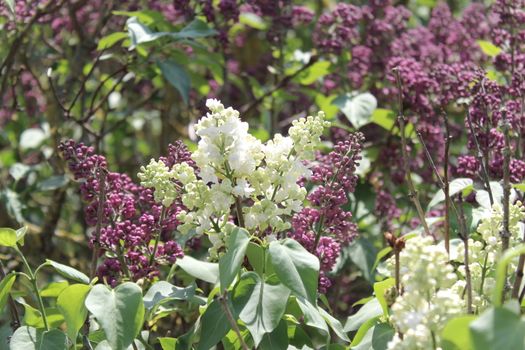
pixel 428 300
pixel 158 176
pixel 484 253
pixel 238 174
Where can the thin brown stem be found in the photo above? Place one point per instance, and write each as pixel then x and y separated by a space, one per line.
pixel 446 188
pixel 100 217
pixel 465 237
pixel 412 190
pixel 223 299
pixel 238 209
pixel 157 239
pixel 281 84
pixel 397 271
pixel 481 159
pixel 505 233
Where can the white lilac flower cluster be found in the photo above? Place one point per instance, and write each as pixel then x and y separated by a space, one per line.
pixel 158 176
pixel 429 298
pixel 235 167
pixel 484 253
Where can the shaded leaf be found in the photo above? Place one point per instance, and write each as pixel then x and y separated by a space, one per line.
pixel 230 263
pixel 177 76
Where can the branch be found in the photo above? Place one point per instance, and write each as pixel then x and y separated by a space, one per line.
pixel 282 83
pixel 100 214
pixel 412 190
pixel 223 299
pixel 479 157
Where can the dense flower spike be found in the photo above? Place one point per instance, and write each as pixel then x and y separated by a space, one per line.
pixel 132 213
pixel 326 227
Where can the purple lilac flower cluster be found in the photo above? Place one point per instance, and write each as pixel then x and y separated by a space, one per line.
pixel 131 218
pixel 325 227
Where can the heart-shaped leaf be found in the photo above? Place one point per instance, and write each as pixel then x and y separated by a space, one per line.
pixel 260 305
pixel 119 311
pixel 358 108
pixel 29 338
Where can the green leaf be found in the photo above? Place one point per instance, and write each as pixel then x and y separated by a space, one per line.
pixel 29 338
pixel 386 119
pixel 498 328
pixel 140 33
pixel 202 270
pixel 53 289
pixel 120 312
pixel 12 202
pixel 19 170
pixel 380 288
pixel 69 272
pixel 53 182
pixel 163 291
pixel 177 76
pixel 376 338
pixel 252 20
pixel 483 198
pixel 32 316
pixel 277 339
pixel 260 305
pixel 5 287
pixel 255 254
pixel 71 304
pixel 363 330
pixel 488 48
pixel 501 271
pixel 296 268
pixel 168 343
pixel 380 255
pixel 20 235
pixel 519 187
pixel 325 103
pixel 455 186
pixel 110 40
pixel 7 237
pixel 334 324
pixel 312 316
pixel 368 311
pixel 196 29
pixel 315 71
pixel 214 325
pixel 363 254
pixel 456 334
pixel 32 138
pixel 230 263
pixel 358 108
